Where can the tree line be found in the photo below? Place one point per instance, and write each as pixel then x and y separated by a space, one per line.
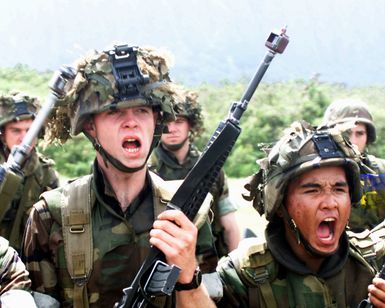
pixel 273 107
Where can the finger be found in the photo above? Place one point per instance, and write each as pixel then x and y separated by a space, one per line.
pixel 172 241
pixel 376 295
pixel 178 218
pixel 189 233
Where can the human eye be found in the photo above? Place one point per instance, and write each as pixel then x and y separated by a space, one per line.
pixel 143 110
pixel 113 112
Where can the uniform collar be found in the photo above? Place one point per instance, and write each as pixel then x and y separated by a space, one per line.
pixel 276 240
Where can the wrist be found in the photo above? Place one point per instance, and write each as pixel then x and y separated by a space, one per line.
pixel 193 284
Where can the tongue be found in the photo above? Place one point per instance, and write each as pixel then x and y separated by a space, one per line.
pixel 129 145
pixel 323 230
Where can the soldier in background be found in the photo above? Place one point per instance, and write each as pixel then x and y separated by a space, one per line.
pixel 363 133
pixel 87 240
pixel 17 112
pixel 305 187
pixel 177 154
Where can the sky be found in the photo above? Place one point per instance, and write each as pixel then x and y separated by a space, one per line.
pixel 211 40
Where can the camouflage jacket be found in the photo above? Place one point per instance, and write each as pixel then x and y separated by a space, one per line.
pixel 372 208
pixel 120 245
pixel 13 274
pixel 266 273
pixel 164 163
pixel 39 176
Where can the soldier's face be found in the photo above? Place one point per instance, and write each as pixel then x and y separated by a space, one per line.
pixel 14 132
pixel 126 134
pixel 319 203
pixel 359 136
pixel 178 131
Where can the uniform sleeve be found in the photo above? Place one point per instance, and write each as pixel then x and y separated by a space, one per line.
pixel 13 273
pixel 36 252
pixel 225 204
pixel 234 291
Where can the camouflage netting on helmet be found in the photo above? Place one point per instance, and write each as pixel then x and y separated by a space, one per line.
pixel 296 153
pixel 189 108
pixel 350 110
pixel 17 106
pixel 94 90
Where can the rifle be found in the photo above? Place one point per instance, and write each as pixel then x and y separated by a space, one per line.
pixel 155 277
pixel 11 173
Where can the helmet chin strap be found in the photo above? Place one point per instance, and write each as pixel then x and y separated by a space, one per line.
pixel 175 147
pixel 299 237
pixel 115 162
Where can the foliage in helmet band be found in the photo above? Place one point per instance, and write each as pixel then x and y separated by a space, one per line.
pixel 123 77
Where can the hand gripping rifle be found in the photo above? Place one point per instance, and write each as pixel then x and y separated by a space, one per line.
pixel 155 277
pixel 366 302
pixel 11 173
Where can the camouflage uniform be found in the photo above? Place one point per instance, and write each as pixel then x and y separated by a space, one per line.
pixel 167 167
pixel 13 273
pixel 264 271
pixel 120 244
pixel 38 171
pixel 372 209
pixel 119 240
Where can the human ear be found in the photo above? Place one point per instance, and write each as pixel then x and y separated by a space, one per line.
pixel 89 127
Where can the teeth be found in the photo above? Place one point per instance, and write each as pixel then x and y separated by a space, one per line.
pixel 329 219
pixel 130 140
pixel 133 150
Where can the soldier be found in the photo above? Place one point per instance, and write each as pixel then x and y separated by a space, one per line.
pixel 14 280
pixel 305 187
pixel 363 133
pixel 86 241
pixel 176 155
pixel 17 112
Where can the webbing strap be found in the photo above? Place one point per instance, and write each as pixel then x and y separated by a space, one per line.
pixel 267 295
pixel 14 237
pixel 77 235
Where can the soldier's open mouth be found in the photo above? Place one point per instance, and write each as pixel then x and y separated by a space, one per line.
pixel 131 145
pixel 326 229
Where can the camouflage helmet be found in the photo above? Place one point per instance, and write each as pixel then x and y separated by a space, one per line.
pixel 352 110
pixel 302 148
pixel 17 106
pixel 118 78
pixel 189 108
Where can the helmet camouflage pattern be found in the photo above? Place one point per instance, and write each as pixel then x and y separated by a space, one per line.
pixel 189 108
pixel 100 86
pixel 17 106
pixel 352 110
pixel 301 149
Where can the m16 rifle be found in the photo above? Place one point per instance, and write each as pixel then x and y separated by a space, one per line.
pixel 11 174
pixel 155 277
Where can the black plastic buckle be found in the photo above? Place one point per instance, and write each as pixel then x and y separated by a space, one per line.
pixel 126 71
pixel 326 146
pixel 21 108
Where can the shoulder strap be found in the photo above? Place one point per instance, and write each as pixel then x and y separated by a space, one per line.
pixel 250 261
pixel 165 190
pixel 74 204
pixel 14 237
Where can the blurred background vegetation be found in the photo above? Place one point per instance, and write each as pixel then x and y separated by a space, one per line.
pixel 273 107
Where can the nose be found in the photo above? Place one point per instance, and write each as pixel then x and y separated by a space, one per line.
pixel 171 127
pixel 329 201
pixel 129 118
